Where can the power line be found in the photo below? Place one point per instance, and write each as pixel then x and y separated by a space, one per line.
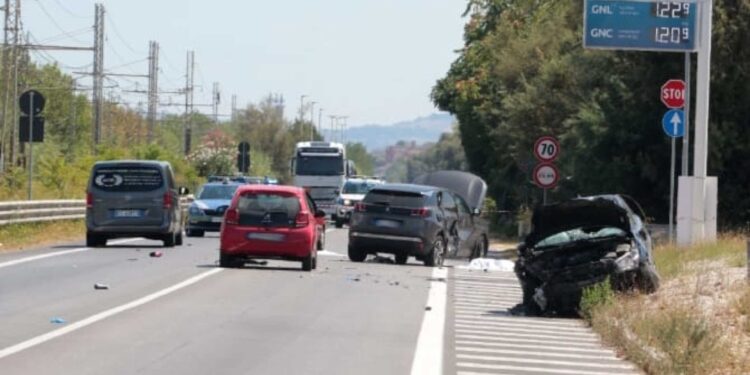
pixel 54 22
pixel 66 10
pixel 119 36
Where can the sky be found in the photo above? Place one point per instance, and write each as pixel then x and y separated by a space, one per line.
pixel 372 60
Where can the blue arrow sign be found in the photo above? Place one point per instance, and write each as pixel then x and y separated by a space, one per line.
pixel 673 123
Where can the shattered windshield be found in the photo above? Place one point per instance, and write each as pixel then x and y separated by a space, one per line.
pixel 580 234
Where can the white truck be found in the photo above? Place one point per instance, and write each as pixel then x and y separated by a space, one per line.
pixel 321 168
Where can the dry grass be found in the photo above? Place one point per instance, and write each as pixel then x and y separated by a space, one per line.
pixel 697 323
pixel 22 236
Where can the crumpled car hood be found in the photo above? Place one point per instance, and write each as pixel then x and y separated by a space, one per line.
pixel 599 211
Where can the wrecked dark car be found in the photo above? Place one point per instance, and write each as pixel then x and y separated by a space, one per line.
pixel 582 242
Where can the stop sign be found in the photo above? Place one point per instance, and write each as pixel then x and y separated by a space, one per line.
pixel 673 93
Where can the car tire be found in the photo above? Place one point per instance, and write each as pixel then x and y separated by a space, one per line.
pixel 339 223
pixel 480 250
pixel 401 258
pixel 321 245
pixel 178 239
pixel 307 262
pixel 356 254
pixel 169 239
pixel 530 306
pixel 95 240
pixel 227 261
pixel 648 280
pixel 315 261
pixel 436 256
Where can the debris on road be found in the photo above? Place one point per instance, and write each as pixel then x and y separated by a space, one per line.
pixel 352 278
pixel 487 264
pixel 428 308
pixel 156 254
pixel 57 320
pixel 381 259
pixel 99 286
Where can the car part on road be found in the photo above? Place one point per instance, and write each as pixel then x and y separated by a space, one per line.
pixel 99 286
pixel 156 254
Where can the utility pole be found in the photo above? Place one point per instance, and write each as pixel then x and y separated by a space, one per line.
pixel 343 128
pixel 153 88
pixel 189 78
pixel 312 120
pixel 216 101
pixel 98 94
pixel 11 53
pixel 331 133
pixel 302 108
pixel 320 123
pixel 234 108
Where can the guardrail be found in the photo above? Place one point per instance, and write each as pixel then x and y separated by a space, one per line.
pixel 50 210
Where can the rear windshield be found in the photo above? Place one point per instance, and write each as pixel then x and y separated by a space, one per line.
pixel 128 179
pixel 267 209
pixel 225 192
pixel 395 198
pixel 357 187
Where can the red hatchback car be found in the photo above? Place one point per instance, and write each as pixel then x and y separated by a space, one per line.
pixel 272 222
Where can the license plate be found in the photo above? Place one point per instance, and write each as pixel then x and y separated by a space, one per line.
pixel 274 237
pixel 217 219
pixel 128 213
pixel 387 223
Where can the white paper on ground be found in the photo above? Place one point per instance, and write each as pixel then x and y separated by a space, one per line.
pixel 487 264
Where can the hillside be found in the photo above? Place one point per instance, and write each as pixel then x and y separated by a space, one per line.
pixel 421 130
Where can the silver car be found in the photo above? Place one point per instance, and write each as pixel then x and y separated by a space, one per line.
pixel 133 198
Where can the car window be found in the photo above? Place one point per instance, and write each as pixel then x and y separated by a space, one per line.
pixel 217 192
pixel 260 209
pixel 395 198
pixel 311 203
pixel 448 202
pixel 128 179
pixel 351 187
pixel 463 208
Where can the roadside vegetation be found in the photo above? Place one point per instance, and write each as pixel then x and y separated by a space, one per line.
pixel 22 236
pixel 697 323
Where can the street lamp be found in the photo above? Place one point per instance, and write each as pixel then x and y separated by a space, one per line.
pixel 302 107
pixel 312 120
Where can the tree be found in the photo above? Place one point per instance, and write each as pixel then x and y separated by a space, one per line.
pixel 357 152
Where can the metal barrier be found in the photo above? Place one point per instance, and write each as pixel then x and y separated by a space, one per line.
pixel 50 210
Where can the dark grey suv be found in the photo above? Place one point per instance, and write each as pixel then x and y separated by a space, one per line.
pixel 133 199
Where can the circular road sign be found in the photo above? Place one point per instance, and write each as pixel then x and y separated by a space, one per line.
pixel 25 102
pixel 673 123
pixel 546 149
pixel 673 93
pixel 546 175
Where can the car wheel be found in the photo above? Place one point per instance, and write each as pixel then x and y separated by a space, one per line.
pixel 169 240
pixel 315 261
pixel 648 279
pixel 480 250
pixel 356 254
pixel 401 258
pixel 178 239
pixel 95 240
pixel 530 306
pixel 322 240
pixel 339 223
pixel 437 253
pixel 227 261
pixel 307 262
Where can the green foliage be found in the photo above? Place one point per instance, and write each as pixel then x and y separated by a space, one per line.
pixel 215 156
pixel 523 73
pixel 364 162
pixel 596 296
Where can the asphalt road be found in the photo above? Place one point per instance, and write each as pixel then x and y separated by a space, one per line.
pixel 181 314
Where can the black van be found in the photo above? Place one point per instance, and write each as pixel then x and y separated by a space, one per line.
pixel 133 198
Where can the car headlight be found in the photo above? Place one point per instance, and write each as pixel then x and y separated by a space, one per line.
pixel 194 210
pixel 627 261
pixel 347 202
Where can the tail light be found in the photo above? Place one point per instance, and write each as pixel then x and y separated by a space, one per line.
pixel 167 201
pixel 421 212
pixel 89 200
pixel 302 220
pixel 359 207
pixel 232 217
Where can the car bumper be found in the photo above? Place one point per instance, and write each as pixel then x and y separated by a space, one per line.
pixel 387 243
pixel 206 223
pixel 344 213
pixel 293 246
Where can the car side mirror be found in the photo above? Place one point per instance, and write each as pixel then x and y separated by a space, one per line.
pixel 319 214
pixel 183 190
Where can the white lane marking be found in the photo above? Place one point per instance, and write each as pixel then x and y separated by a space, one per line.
pixel 501 324
pixel 525 354
pixel 329 230
pixel 428 357
pixel 484 302
pixel 559 338
pixel 556 349
pixel 485 286
pixel 60 253
pixel 535 330
pixel 524 369
pixel 327 253
pixel 516 340
pixel 518 319
pixel 104 315
pixel 611 366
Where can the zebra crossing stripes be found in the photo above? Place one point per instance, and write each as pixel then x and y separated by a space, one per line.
pixel 489 340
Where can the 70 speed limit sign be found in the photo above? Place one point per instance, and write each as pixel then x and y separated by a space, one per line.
pixel 547 149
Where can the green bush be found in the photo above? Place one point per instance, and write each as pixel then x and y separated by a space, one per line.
pixel 596 296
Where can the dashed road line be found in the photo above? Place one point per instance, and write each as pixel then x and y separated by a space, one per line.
pixel 428 357
pixel 489 340
pixel 60 253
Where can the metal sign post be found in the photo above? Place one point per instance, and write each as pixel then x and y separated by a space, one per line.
pixel 31 145
pixel 673 124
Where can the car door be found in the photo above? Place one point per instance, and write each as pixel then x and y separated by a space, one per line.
pixel 467 232
pixel 319 221
pixel 450 212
